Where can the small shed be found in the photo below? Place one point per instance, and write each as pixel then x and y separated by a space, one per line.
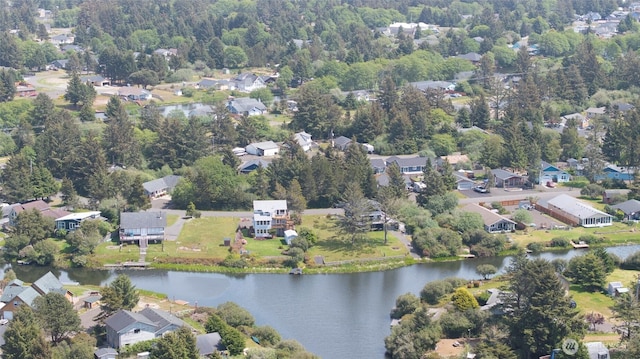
pixel 105 353
pixel 614 289
pixel 226 241
pixel 290 235
pixel 91 301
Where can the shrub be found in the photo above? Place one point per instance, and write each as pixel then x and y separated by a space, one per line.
pixel 559 242
pixel 483 297
pixel 535 247
pixel 405 304
pixel 432 292
pixel 499 207
pixel 632 262
pixel 300 243
pixel 590 239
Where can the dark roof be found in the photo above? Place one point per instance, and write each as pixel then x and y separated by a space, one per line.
pixel 245 104
pixel 11 292
pixel 92 298
pixel 208 344
pixel 143 219
pixel 408 162
pixel 623 107
pixel 253 164
pixel 124 318
pixel 628 207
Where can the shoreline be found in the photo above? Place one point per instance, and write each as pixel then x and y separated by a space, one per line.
pixel 374 265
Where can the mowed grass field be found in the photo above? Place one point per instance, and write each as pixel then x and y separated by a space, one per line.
pixel 204 238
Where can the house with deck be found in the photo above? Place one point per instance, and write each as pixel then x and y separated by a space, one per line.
pixel 72 221
pixel 142 227
pixel 506 179
pixel 630 208
pixel 493 222
pixel 271 217
pixel 134 93
pixel 127 327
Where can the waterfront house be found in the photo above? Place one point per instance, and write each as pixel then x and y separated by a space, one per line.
pixel 493 222
pixel 572 211
pixel 630 208
pixel 142 227
pixel 16 294
pixel 270 216
pixel 126 327
pixel 72 221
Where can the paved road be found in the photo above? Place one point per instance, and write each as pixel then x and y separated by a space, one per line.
pixel 498 195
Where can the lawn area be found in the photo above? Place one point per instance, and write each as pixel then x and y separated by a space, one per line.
pixel 626 277
pixel 172 219
pixel 618 233
pixel 334 248
pixel 591 302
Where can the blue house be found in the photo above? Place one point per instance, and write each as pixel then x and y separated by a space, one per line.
pixel 551 173
pixel 617 173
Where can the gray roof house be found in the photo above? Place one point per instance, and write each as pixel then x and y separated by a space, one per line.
pixel 142 227
pixel 630 208
pixel 572 211
pixel 378 165
pixel 161 186
pixel 411 165
pixel 503 178
pixel 16 294
pixel 341 143
pixel 493 222
pixel 126 327
pixel 246 106
pixel 253 165
pixel 209 343
pixel 471 56
pixel 433 85
pixel 105 353
pixel 49 283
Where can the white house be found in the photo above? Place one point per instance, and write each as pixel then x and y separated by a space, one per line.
pixel 266 148
pixel 73 220
pixel 614 289
pixel 126 327
pixel 304 140
pixel 597 350
pixel 270 215
pixel 575 212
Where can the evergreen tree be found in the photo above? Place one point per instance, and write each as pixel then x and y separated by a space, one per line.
pixel 360 168
pixel 24 338
pixel 7 85
pixel 120 294
pixel 75 90
pixel 434 185
pixel 572 144
pixel 397 184
pixel 541 315
pixel 58 142
pixel 119 141
pixel 42 110
pixel 448 179
pixel 480 112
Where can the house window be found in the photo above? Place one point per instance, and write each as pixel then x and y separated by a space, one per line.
pixel 136 331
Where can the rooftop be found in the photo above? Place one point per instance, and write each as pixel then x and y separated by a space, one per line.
pixel 154 219
pixel 488 217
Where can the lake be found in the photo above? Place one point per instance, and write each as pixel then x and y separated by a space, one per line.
pixel 332 315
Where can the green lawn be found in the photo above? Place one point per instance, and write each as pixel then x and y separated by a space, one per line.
pixel 172 219
pixel 334 247
pixel 618 233
pixel 591 302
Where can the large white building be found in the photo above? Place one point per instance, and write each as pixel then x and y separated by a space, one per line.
pixel 268 216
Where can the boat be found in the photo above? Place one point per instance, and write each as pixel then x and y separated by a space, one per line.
pixel 296 271
pixel 255 339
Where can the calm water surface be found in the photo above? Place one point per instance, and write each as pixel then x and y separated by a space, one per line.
pixel 335 316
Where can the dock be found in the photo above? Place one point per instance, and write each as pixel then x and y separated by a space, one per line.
pixel 579 245
pixel 128 265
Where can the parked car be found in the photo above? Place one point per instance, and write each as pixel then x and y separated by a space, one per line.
pixel 480 189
